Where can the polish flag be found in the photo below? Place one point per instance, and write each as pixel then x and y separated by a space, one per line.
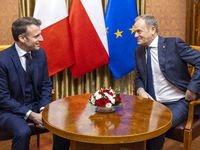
pixel 56 33
pixel 89 38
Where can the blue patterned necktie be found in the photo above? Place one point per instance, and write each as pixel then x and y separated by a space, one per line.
pixel 150 87
pixel 29 65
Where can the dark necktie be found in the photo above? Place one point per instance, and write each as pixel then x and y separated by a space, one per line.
pixel 29 65
pixel 150 86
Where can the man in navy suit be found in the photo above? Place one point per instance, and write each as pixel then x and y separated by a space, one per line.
pixel 23 95
pixel 171 81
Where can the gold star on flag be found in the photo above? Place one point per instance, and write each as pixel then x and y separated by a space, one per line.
pixel 118 33
pixel 107 29
pixel 132 29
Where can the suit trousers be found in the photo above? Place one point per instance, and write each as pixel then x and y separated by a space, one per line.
pixel 197 107
pixel 20 132
pixel 179 111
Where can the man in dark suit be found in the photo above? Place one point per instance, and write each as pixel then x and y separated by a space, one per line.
pixel 25 86
pixel 162 72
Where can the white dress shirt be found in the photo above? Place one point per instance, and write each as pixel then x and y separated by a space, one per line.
pixel 21 54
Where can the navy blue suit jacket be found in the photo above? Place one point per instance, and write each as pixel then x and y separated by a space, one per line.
pixel 12 83
pixel 173 56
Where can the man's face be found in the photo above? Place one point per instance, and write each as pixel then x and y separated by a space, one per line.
pixel 143 34
pixel 33 38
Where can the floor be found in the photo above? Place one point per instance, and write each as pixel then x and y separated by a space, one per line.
pixel 46 142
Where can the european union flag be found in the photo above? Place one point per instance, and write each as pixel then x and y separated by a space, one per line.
pixel 119 20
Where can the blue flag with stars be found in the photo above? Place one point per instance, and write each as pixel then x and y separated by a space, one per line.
pixel 120 19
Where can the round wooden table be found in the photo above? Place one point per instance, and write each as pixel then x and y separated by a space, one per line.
pixel 133 122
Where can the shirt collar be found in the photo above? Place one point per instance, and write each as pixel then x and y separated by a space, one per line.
pixel 154 43
pixel 20 51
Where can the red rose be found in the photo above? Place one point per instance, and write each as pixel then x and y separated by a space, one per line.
pixel 107 100
pixel 108 91
pixel 102 102
pixel 100 91
pixel 118 98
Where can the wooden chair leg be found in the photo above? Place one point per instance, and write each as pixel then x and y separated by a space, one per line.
pixel 38 140
pixel 187 139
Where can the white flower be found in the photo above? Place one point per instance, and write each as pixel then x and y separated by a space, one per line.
pixel 114 95
pixel 108 105
pixel 96 93
pixel 93 99
pixel 98 96
pixel 111 90
pixel 110 98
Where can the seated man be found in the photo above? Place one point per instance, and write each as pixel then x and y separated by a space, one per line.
pixel 25 86
pixel 162 72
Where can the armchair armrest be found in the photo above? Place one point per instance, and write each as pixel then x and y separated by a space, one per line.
pixel 191 114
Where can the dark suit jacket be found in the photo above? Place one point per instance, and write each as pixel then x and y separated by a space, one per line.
pixel 12 83
pixel 173 56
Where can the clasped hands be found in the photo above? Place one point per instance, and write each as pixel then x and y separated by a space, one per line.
pixel 37 119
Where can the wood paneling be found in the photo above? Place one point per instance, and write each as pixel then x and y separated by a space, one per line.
pixel 197 23
pixel 193 22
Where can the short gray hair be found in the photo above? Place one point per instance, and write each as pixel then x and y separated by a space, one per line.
pixel 150 20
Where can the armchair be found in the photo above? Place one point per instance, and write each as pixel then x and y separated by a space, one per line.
pixel 189 130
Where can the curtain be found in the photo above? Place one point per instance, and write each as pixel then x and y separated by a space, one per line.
pixel 64 83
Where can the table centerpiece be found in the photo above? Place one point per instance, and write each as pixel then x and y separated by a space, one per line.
pixel 105 99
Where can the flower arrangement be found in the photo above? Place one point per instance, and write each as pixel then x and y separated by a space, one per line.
pixel 105 97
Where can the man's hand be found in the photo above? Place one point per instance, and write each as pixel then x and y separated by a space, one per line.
pixel 190 95
pixel 37 119
pixel 141 92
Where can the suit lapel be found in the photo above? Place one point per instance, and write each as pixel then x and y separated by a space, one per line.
pixel 19 68
pixel 144 63
pixel 142 55
pixel 162 53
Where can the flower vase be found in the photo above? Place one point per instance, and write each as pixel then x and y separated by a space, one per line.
pixel 105 109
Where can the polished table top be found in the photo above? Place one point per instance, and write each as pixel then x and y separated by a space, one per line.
pixel 136 119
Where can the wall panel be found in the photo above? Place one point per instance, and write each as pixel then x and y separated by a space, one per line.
pixel 171 16
pixel 9 11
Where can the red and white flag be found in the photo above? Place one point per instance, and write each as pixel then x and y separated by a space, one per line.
pixel 56 33
pixel 89 38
